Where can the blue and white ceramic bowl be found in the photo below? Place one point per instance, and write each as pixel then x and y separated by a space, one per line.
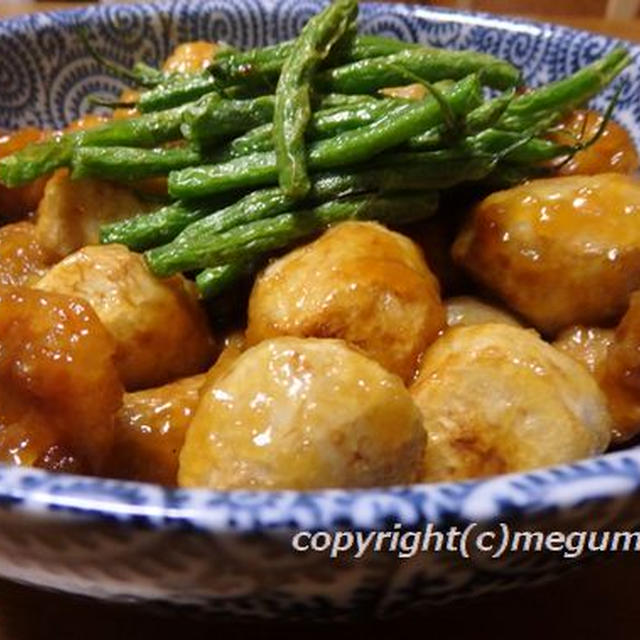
pixel 230 552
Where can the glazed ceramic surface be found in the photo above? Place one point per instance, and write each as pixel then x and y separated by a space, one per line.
pixel 230 552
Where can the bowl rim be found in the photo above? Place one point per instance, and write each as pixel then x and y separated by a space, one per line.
pixel 609 476
pixel 485 19
pixel 506 497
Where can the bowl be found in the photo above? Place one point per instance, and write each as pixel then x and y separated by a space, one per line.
pixel 288 554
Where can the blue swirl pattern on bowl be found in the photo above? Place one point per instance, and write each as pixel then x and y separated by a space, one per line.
pixel 229 552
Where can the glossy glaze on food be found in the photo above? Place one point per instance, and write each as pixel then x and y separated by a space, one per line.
pixel 497 398
pixel 300 413
pixel 150 430
pixel 359 282
pixel 160 331
pixel 621 376
pixel 346 369
pixel 587 345
pixel 190 56
pixel 23 260
pixel 59 387
pixel 614 151
pixel 559 251
pixel 466 311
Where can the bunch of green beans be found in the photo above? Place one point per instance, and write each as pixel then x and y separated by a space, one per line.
pixel 248 241
pixel 256 71
pixel 268 147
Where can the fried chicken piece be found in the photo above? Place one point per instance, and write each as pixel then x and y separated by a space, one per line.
pixel 559 251
pixel 71 212
pixel 161 332
pixel 295 413
pixel 150 431
pixel 497 399
pixel 620 376
pixel 23 261
pixel 59 387
pixel 466 311
pixel 613 151
pixel 190 57
pixel 587 345
pixel 359 282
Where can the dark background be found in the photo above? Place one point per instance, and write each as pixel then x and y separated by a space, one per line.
pixel 600 601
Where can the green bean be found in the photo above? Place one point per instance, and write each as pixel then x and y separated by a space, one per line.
pixel 160 226
pixel 212 119
pixel 531 152
pixel 528 151
pixel 126 164
pixel 445 168
pixel 249 241
pixel 327 186
pixel 366 76
pixel 257 69
pixel 488 114
pixel 41 158
pixel 396 172
pixel 323 124
pixel 558 98
pixel 254 170
pixel 490 141
pixel 485 117
pixel 36 160
pixel 364 47
pixel 177 91
pixel 477 156
pixel 174 89
pixel 331 100
pixel 442 169
pixel 266 62
pixel 215 280
pixel 243 66
pixel 292 110
pixel 148 130
pixel 255 140
pixel 149 76
pixel 255 206
pixel 403 121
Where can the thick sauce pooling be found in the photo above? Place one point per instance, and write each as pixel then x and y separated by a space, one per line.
pixel 59 388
